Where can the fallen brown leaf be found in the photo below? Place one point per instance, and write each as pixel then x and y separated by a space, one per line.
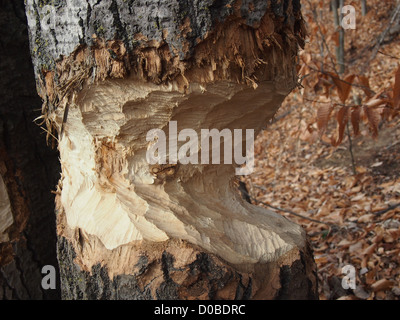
pixel 382 285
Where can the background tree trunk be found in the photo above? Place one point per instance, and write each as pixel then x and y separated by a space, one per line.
pixel 110 71
pixel 364 8
pixel 29 169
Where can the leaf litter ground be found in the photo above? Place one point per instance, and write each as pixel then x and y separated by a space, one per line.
pixel 298 171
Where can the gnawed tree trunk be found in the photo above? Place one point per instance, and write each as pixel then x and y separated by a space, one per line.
pixel 110 71
pixel 29 169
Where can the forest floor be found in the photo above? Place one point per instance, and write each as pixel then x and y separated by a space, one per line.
pixel 351 219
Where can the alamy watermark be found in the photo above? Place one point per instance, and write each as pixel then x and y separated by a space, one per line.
pixel 196 150
pixel 349 17
pixel 49 280
pixel 349 280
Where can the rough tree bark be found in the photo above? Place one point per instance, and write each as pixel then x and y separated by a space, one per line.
pixel 29 169
pixel 108 72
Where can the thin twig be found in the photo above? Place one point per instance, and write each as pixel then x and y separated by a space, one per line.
pixel 333 102
pixel 313 10
pixel 344 81
pixel 347 105
pixel 391 207
pixel 388 55
pixel 286 210
pixel 293 213
pixel 383 34
pixel 392 145
pixel 280 117
pixel 375 48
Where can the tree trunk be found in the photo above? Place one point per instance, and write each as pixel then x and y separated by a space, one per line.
pixel 340 58
pixel 337 18
pixel 364 8
pixel 109 72
pixel 29 169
